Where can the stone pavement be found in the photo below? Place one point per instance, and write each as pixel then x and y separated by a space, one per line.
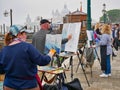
pixel 96 82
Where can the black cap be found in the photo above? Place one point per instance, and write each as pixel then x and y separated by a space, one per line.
pixel 44 21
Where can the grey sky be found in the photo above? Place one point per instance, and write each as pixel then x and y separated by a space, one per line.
pixel 21 8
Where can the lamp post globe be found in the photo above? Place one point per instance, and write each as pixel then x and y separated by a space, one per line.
pixel 104 12
pixel 6 13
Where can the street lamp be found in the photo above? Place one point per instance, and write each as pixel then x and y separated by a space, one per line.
pixel 88 14
pixel 6 13
pixel 108 18
pixel 104 12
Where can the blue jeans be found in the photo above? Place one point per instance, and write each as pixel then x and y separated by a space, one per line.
pixel 108 65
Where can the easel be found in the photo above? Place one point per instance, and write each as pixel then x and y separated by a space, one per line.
pixel 53 71
pixel 70 61
pixel 80 58
pixel 60 76
pixel 81 64
pixel 71 64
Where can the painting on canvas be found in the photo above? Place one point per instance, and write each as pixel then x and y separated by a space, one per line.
pixel 53 42
pixel 73 29
pixel 90 37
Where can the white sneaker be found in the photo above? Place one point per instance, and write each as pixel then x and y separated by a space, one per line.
pixel 103 75
pixel 109 75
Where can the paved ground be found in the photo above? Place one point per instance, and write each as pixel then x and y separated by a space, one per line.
pixel 96 82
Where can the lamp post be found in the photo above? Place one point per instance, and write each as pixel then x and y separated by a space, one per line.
pixel 88 14
pixel 108 18
pixel 104 12
pixel 6 13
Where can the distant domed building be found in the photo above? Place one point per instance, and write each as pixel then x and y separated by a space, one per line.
pixel 28 22
pixel 65 11
pixel 28 19
pixel 57 17
pixel 33 26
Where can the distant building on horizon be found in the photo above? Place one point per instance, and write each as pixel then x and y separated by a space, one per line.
pixel 33 26
pixel 57 17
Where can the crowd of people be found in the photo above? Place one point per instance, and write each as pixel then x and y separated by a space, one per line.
pixel 19 59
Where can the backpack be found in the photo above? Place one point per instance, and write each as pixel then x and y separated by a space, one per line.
pixel 73 85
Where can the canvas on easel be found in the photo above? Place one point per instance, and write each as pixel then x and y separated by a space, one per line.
pixel 90 37
pixel 73 29
pixel 64 34
pixel 53 42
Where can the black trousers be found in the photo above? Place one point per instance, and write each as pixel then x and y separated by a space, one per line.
pixel 103 52
pixel 116 43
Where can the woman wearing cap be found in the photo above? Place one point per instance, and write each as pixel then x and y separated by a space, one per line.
pixel 19 61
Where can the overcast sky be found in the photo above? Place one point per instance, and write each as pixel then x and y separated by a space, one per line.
pixel 21 8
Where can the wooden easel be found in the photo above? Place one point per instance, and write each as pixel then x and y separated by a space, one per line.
pixel 70 55
pixel 80 58
pixel 71 64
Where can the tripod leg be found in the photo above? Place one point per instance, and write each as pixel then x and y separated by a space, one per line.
pixel 78 63
pixel 91 72
pixel 71 64
pixel 58 61
pixel 61 76
pixel 84 72
pixel 51 64
pixel 80 58
pixel 97 55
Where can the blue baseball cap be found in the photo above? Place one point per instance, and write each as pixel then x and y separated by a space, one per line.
pixel 15 29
